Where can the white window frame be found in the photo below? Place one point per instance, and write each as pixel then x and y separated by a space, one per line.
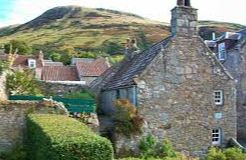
pixel 32 63
pixel 216 136
pixel 218 97
pixel 222 51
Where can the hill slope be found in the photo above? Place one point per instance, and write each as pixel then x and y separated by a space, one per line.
pixel 75 29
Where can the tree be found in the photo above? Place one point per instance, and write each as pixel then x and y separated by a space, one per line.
pixel 22 83
pixel 142 40
pixel 3 66
pixel 55 56
pixel 22 47
pixel 111 47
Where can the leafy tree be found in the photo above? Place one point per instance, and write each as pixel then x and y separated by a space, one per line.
pixel 21 46
pixel 3 66
pixel 22 83
pixel 55 56
pixel 142 40
pixel 111 47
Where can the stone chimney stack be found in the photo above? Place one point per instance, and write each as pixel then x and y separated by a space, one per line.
pixel 184 19
pixel 41 55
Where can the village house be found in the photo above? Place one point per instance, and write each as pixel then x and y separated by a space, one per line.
pixel 81 71
pixel 180 88
pixel 230 49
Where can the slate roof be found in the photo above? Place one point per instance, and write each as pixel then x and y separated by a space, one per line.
pixel 93 68
pixel 59 73
pixel 243 31
pixel 22 61
pixel 130 68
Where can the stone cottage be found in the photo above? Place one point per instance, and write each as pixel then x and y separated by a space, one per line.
pixel 230 50
pixel 180 88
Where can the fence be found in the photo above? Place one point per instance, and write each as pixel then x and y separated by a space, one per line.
pixel 72 105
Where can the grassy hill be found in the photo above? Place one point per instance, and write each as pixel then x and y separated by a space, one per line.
pixel 75 30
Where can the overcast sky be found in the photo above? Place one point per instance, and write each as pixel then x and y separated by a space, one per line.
pixel 21 11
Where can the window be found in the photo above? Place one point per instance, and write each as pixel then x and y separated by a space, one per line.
pixel 31 63
pixel 221 52
pixel 216 136
pixel 218 97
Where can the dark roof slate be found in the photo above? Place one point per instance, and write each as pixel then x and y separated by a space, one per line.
pixel 130 68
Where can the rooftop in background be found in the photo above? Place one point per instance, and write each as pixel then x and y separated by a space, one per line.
pixel 91 67
pixel 22 61
pixel 59 73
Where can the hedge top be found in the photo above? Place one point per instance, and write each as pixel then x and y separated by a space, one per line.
pixel 59 127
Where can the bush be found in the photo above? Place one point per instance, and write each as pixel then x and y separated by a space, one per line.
pixel 22 83
pixel 147 146
pixel 234 154
pixel 227 154
pixel 150 149
pixel 3 66
pixel 18 152
pixel 126 119
pixel 79 95
pixel 57 137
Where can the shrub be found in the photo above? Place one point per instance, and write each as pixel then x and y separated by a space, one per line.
pixel 126 119
pixel 215 154
pixel 147 146
pixel 166 150
pixel 227 154
pixel 3 66
pixel 234 154
pixel 22 83
pixel 18 152
pixel 150 149
pixel 79 95
pixel 57 137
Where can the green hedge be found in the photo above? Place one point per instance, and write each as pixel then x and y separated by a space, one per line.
pixel 57 137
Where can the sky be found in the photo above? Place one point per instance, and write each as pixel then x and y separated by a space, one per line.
pixel 21 11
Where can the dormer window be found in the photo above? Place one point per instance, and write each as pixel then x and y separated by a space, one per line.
pixel 31 63
pixel 221 52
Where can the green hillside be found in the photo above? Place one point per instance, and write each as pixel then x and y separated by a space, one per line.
pixel 76 30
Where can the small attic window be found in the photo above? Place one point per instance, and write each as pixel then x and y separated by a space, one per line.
pixel 31 63
pixel 221 52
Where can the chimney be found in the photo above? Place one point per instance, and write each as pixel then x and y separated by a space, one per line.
pixel 213 36
pixel 41 55
pixel 184 19
pixel 131 48
pixel 128 48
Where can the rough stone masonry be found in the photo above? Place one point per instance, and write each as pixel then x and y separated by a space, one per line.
pixel 176 82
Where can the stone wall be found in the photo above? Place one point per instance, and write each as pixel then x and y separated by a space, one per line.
pixel 12 120
pixel 57 89
pixel 3 95
pixel 241 106
pixel 176 98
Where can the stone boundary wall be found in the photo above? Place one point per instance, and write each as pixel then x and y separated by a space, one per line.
pixel 12 119
pixel 58 89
